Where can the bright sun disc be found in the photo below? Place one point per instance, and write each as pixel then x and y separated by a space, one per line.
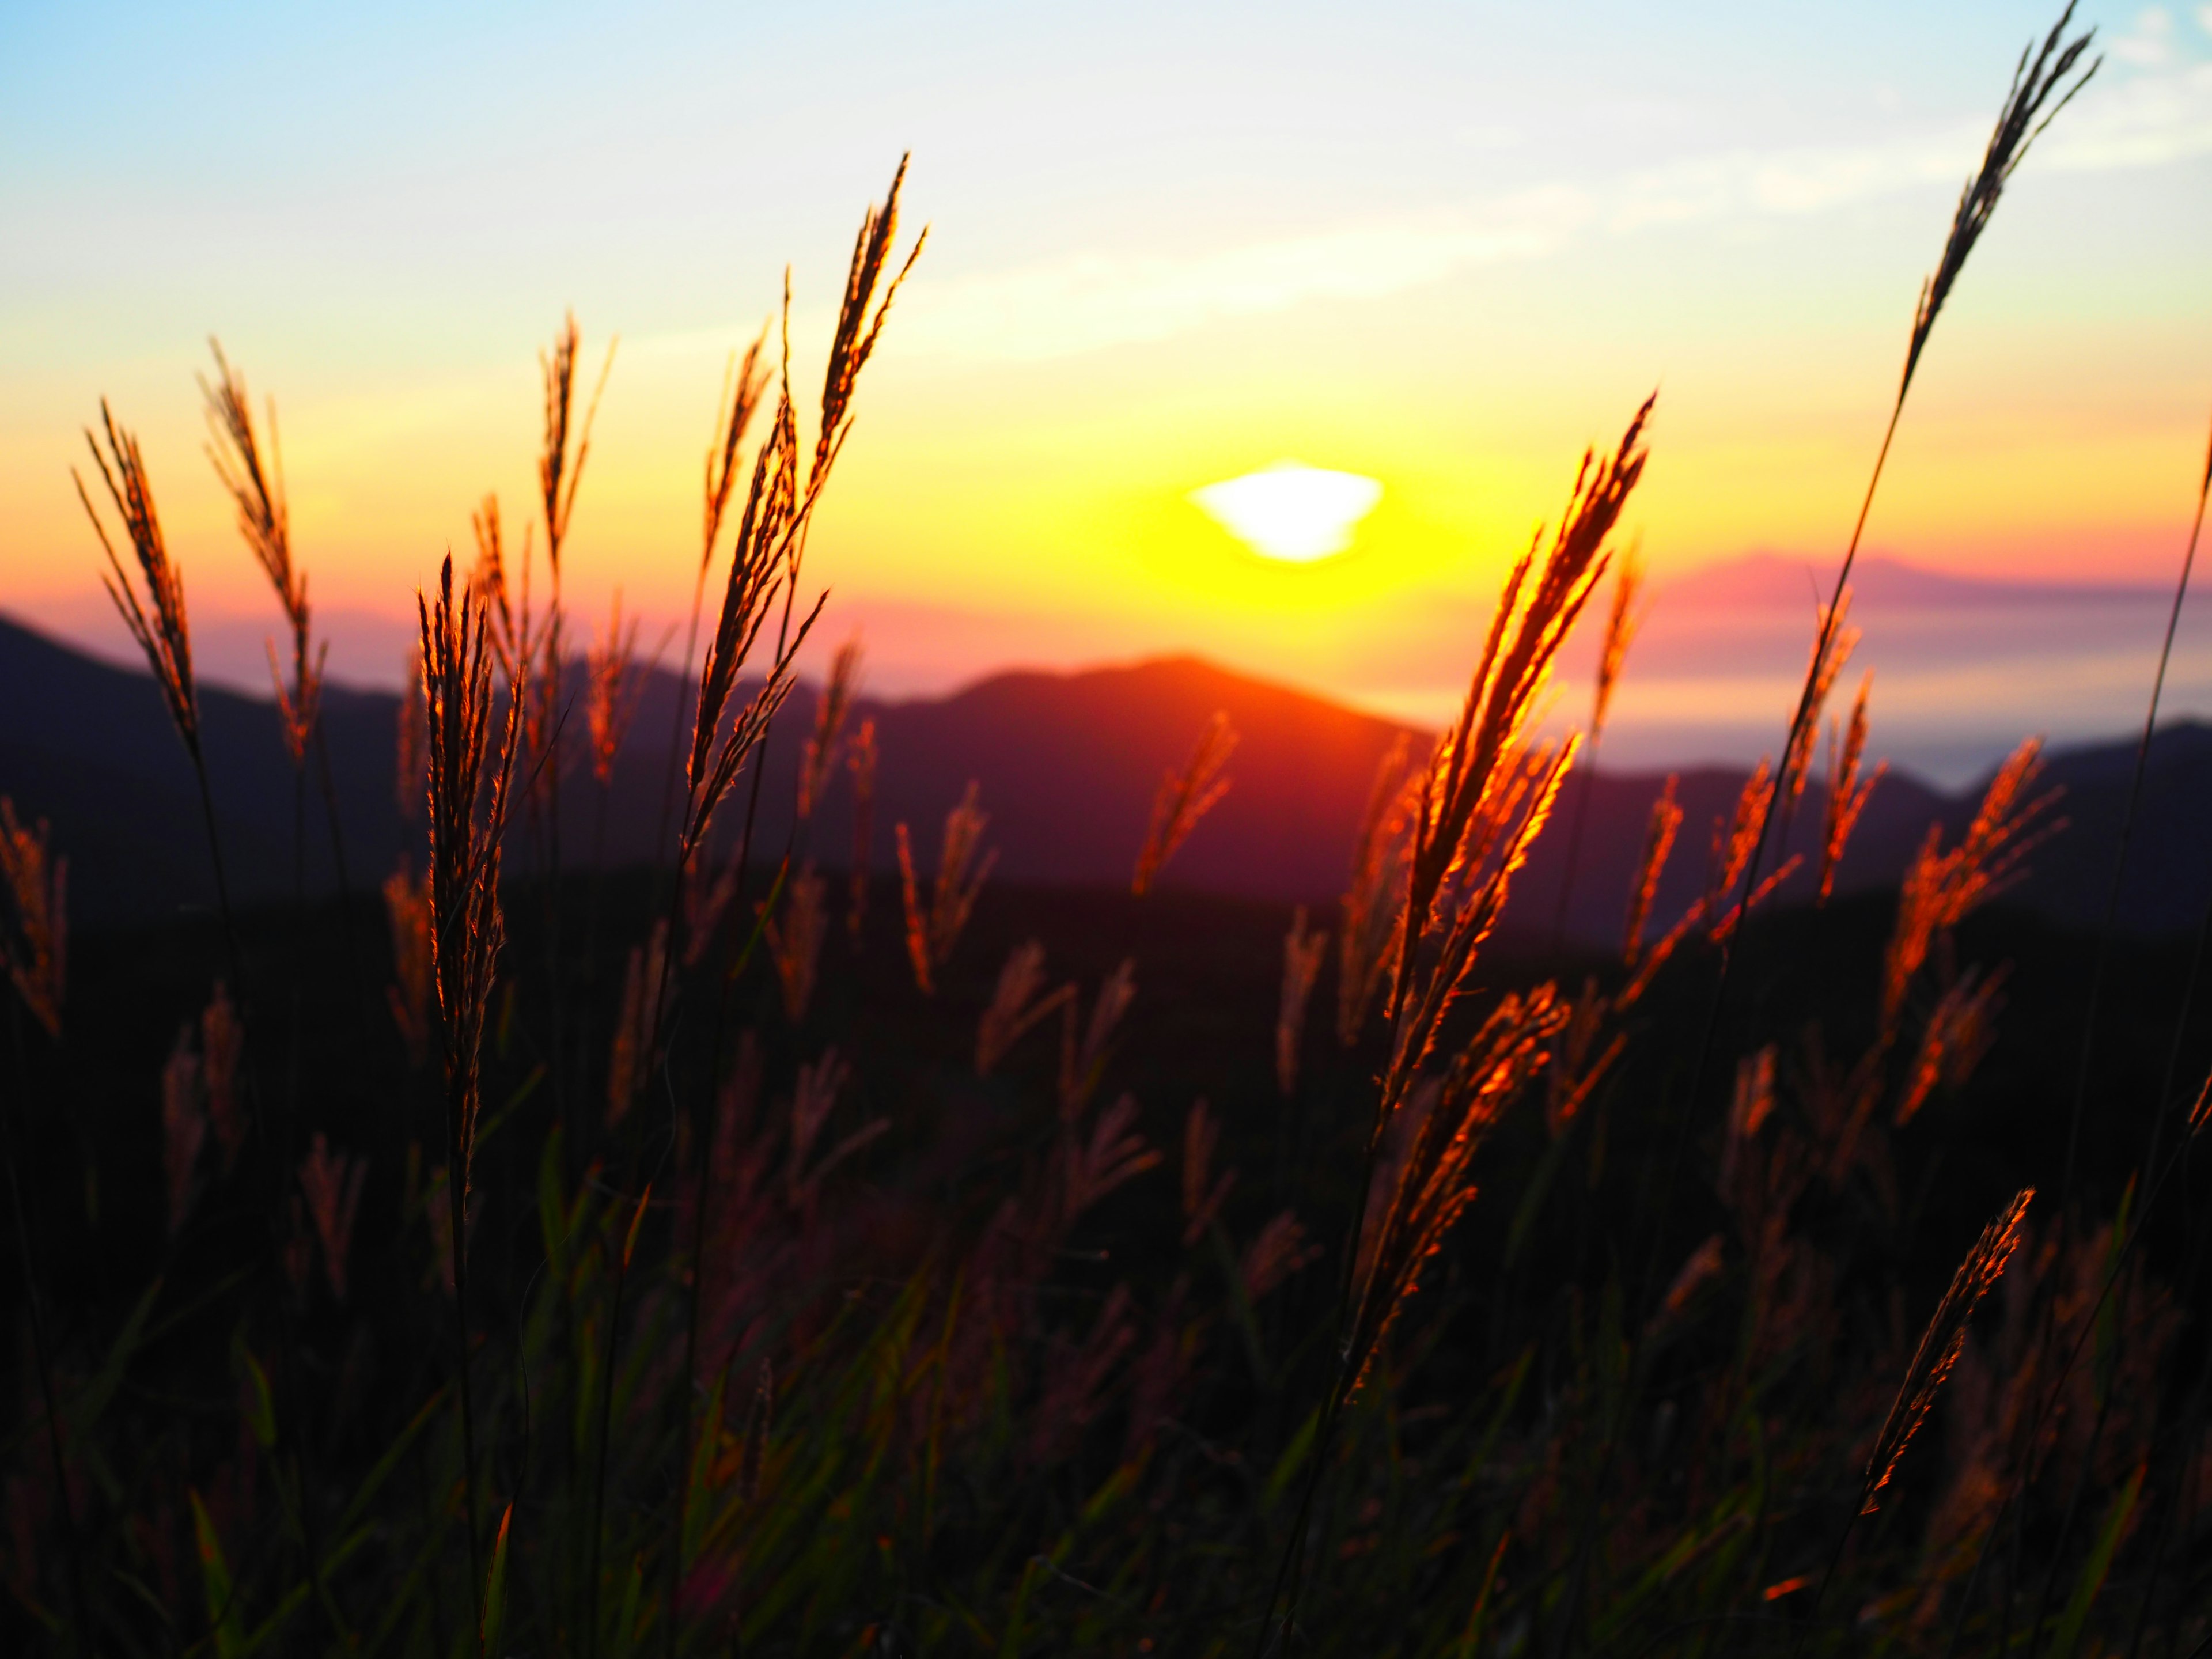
pixel 1290 512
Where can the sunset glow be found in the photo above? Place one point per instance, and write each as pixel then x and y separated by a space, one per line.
pixel 1175 275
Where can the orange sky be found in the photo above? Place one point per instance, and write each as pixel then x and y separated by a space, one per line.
pixel 1456 320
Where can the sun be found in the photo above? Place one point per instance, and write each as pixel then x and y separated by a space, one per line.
pixel 1291 511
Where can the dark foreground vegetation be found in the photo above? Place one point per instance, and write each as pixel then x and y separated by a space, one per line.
pixel 734 1256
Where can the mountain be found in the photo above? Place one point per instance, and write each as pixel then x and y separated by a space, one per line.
pixel 1067 765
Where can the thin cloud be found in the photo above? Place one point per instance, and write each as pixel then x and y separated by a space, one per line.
pixel 1095 300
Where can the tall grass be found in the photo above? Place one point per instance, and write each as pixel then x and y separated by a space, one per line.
pixel 834 1307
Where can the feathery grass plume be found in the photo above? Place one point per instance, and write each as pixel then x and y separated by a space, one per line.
pixel 813 1096
pixel 1302 958
pixel 830 713
pixel 858 329
pixel 222 1049
pixel 411 772
pixel 629 1058
pixel 1749 1106
pixel 707 899
pixel 1184 798
pixel 1833 641
pixel 165 635
pixel 1940 1346
pixel 1848 792
pixel 1371 903
pixel 1621 624
pixel 1435 1183
pixel 1473 767
pixel 739 400
pixel 508 613
pixel 1202 1197
pixel 612 685
pixel 1484 797
pixel 1582 1064
pixel 466 930
pixel 34 948
pixel 184 1126
pixel 1732 841
pixel 2035 83
pixel 1658 844
pixel 774 516
pixel 1113 1154
pixel 795 943
pixel 2200 1115
pixel 961 869
pixel 407 910
pixel 1278 1250
pixel 333 1185
pixel 1957 1035
pixel 1940 889
pixel 2029 106
pixel 1082 1065
pixel 860 761
pixel 1015 1008
pixel 258 491
pixel 559 469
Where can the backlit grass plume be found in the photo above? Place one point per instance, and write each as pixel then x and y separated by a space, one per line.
pixel 1940 1346
pixel 1848 790
pixel 1471 768
pixel 469 783
pixel 861 317
pixel 256 487
pixel 1378 889
pixel 1487 791
pixel 158 623
pixel 1184 798
pixel 2039 91
pixel 963 865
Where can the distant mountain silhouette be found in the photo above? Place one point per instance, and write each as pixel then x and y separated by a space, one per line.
pixel 1067 764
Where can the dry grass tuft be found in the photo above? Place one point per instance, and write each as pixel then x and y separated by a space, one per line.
pixel 1303 953
pixel 1184 798
pixel 962 868
pixel 1622 622
pixel 820 756
pixel 34 948
pixel 333 1185
pixel 795 943
pixel 407 911
pixel 1202 1194
pixel 1015 1007
pixel 1658 844
pixel 1848 792
pixel 860 761
pixel 613 682
pixel 629 1055
pixel 1940 889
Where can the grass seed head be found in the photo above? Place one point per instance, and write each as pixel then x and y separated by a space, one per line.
pixel 1184 798
pixel 158 622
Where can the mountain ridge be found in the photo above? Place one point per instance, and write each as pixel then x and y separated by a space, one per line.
pixel 1067 764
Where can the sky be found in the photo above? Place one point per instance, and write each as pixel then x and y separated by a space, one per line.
pixel 1441 246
